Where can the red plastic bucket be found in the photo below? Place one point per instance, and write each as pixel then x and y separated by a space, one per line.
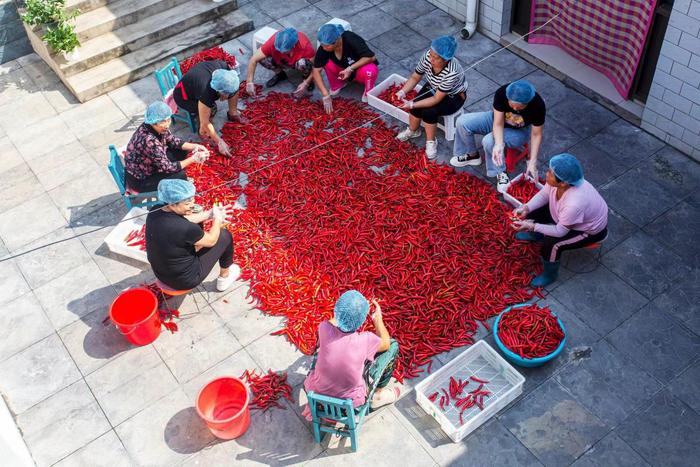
pixel 223 405
pixel 135 313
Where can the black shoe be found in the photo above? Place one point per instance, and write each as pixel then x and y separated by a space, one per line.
pixel 281 76
pixel 310 88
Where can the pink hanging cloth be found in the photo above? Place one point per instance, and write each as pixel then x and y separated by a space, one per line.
pixel 607 35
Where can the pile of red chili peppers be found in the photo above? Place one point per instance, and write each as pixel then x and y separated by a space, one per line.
pixel 389 95
pixel 363 212
pixel 530 331
pixel 137 238
pixel 268 389
pixel 523 190
pixel 456 387
pixel 215 53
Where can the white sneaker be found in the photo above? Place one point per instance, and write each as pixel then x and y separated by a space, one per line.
pixel 407 134
pixel 431 149
pixel 364 98
pixel 502 181
pixel 337 91
pixel 466 159
pixel 223 283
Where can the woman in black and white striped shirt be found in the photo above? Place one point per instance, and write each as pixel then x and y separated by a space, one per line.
pixel 443 94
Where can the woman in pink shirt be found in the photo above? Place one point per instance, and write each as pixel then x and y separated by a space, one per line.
pixel 339 366
pixel 567 213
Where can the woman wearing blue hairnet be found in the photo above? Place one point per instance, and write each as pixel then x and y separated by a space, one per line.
pixel 180 251
pixel 154 154
pixel 345 57
pixel 517 117
pixel 444 92
pixel 286 49
pixel 200 88
pixel 567 213
pixel 342 352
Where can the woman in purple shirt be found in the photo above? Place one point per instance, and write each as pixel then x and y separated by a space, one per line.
pixel 567 213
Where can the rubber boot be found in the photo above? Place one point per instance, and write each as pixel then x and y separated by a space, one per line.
pixel 549 275
pixel 529 236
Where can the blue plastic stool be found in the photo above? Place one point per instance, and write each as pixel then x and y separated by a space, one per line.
pixel 338 410
pixel 167 78
pixel 116 168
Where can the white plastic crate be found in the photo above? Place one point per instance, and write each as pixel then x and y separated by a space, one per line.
pixel 261 36
pixel 115 240
pixel 483 362
pixel 514 202
pixel 400 114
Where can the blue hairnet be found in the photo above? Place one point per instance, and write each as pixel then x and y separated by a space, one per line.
pixel 174 190
pixel 157 112
pixel 520 91
pixel 225 81
pixel 286 39
pixel 444 46
pixel 567 169
pixel 329 33
pixel 351 311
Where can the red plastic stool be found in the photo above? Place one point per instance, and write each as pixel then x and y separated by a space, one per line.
pixel 167 290
pixel 515 155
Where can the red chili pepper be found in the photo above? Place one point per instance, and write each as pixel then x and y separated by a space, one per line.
pixel 389 95
pixel 268 389
pixel 530 331
pixel 215 53
pixel 523 190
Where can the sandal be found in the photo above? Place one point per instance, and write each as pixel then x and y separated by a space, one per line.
pixel 386 397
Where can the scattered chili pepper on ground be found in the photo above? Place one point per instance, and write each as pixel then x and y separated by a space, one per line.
pixel 215 53
pixel 523 189
pixel 389 95
pixel 363 212
pixel 268 389
pixel 530 331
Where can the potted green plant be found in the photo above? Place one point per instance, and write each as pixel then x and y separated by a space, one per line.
pixel 44 12
pixel 61 38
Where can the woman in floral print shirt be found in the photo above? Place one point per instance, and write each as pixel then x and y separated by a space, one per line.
pixel 154 154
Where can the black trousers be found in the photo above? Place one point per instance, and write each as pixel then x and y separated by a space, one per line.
pixel 151 183
pixel 221 252
pixel 552 247
pixel 447 106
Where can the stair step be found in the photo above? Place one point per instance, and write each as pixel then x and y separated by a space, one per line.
pixel 144 61
pixel 135 36
pixel 85 5
pixel 118 14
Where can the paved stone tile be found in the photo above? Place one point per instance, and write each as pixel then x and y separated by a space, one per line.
pixel 61 424
pixel 22 323
pixel 276 9
pixel 619 229
pixel 687 386
pixel 638 197
pixel 63 165
pixel 17 185
pixel 13 283
pixel 678 229
pixel 75 199
pixel 553 426
pixel 233 365
pixel 274 352
pixel 60 98
pixel 551 89
pixel 598 166
pixel 600 299
pixel 482 105
pixel 377 434
pixel 681 300
pixel 372 22
pixel 608 383
pixel 260 18
pixel 128 384
pixel 656 342
pixel 39 217
pixel 245 321
pixel 16 116
pixel 165 433
pixel 105 451
pixel 399 42
pixel 505 67
pixel 75 294
pixel 610 450
pixel 342 9
pixel 406 10
pixel 35 373
pixel 665 433
pixel 16 85
pixel 308 20
pixel 557 138
pixel 62 257
pixel 39 71
pixel 581 114
pixel 479 87
pixel 133 98
pixel 11 157
pixel 645 264
pixel 437 23
pixel 42 138
pixel 92 116
pixel 93 341
pixel 673 170
pixel 627 143
pixel 97 143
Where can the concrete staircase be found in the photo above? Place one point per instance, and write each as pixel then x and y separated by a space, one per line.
pixel 124 40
